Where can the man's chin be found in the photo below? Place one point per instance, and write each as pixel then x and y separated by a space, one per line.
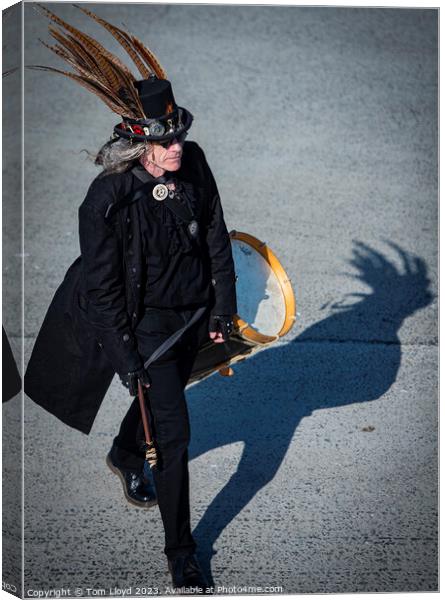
pixel 174 165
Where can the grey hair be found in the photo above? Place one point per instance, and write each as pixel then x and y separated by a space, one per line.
pixel 119 154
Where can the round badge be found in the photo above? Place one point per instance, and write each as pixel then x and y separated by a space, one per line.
pixel 160 192
pixel 156 128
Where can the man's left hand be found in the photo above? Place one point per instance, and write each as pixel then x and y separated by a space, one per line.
pixel 220 328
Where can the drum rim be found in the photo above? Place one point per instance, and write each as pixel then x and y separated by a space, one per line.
pixel 244 329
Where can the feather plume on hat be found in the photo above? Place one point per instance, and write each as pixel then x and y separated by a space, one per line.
pixel 97 69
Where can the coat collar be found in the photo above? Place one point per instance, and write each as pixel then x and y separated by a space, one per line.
pixel 144 176
pixel 145 182
pixel 143 186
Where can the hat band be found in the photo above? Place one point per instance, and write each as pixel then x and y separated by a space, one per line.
pixel 155 127
pixel 160 129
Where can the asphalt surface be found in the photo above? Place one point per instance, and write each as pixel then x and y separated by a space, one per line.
pixel 314 468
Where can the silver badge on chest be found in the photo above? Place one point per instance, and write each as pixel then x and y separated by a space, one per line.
pixel 160 192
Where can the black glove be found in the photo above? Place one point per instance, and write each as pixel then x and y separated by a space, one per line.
pixel 130 380
pixel 221 324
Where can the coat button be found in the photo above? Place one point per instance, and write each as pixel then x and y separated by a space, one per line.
pixel 128 220
pixel 125 337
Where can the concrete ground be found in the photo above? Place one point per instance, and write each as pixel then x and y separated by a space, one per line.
pixel 314 468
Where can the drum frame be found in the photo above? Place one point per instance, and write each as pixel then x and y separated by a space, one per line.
pixel 284 281
pixel 253 340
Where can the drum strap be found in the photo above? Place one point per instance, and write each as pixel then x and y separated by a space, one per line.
pixel 168 343
pixel 143 395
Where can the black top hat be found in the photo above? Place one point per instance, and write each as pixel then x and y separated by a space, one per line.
pixel 165 119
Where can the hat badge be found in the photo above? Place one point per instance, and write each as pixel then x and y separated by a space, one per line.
pixel 156 128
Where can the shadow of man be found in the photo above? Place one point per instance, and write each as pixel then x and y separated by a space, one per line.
pixel 353 355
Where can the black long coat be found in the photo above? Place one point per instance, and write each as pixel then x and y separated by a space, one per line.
pixel 88 332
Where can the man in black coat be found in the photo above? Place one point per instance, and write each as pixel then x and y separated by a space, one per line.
pixel 154 251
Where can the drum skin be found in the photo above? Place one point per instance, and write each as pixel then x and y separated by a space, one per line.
pixel 266 307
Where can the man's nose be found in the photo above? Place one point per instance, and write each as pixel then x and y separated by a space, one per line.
pixel 175 146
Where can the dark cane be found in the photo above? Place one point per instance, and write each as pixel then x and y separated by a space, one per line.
pixel 150 450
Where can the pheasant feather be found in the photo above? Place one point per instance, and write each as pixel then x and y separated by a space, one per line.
pixel 120 109
pixel 149 58
pixel 122 37
pixel 97 69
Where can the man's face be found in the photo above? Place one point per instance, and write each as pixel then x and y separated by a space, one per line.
pixel 167 158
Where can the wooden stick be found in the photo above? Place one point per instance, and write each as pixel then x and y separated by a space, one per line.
pixel 150 450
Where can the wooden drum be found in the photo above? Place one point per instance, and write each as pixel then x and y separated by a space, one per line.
pixel 266 308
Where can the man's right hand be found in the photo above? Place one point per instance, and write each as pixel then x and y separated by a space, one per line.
pixel 130 380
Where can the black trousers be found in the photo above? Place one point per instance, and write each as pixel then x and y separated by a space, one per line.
pixel 169 420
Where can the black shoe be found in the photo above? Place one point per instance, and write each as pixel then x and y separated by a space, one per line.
pixel 186 572
pixel 138 489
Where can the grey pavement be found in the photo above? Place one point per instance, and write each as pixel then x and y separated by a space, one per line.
pixel 315 466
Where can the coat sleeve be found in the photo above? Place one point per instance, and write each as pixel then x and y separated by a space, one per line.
pixel 220 252
pixel 103 284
